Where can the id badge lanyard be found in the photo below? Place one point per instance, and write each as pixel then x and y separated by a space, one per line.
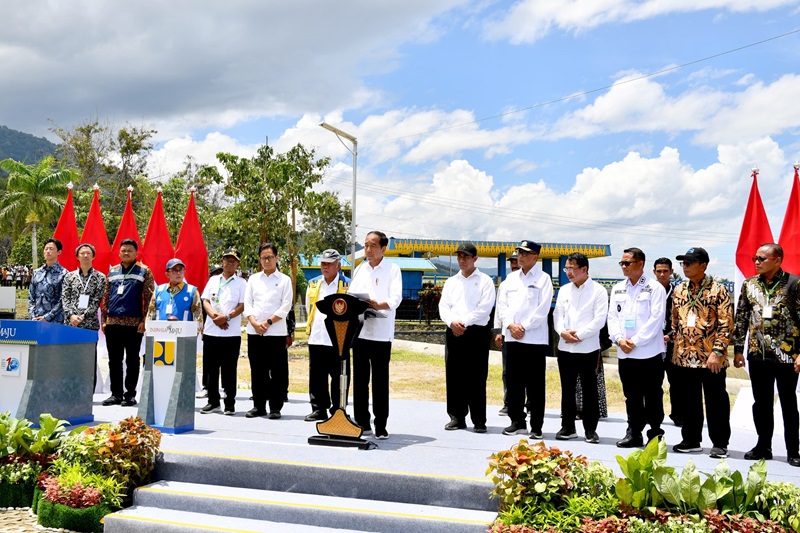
pixel 766 312
pixel 691 317
pixel 630 305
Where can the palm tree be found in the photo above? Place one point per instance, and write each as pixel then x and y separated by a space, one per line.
pixel 34 195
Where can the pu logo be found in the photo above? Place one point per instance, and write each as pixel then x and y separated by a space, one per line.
pixel 164 353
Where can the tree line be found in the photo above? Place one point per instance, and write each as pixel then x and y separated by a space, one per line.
pixel 242 201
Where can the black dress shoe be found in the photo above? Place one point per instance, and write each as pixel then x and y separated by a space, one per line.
pixel 455 424
pixel 631 440
pixel 274 415
pixel 315 416
pixel 255 412
pixel 758 453
pixel 794 461
pixel 112 400
pixel 128 402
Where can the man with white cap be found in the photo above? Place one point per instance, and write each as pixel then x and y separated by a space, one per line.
pixel 223 300
pixel 323 359
pixel 465 306
pixel 176 299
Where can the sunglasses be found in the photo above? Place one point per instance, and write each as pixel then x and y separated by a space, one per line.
pixel 626 264
pixel 687 263
pixel 759 258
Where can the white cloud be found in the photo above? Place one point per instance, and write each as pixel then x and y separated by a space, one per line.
pixel 199 64
pixel 527 21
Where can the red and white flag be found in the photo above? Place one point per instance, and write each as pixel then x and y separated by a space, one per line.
pixel 127 230
pixel 67 233
pixel 157 248
pixel 94 233
pixel 790 230
pixel 191 248
pixel 755 232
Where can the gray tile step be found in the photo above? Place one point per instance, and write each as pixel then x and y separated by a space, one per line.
pixel 327 480
pixel 154 520
pixel 311 509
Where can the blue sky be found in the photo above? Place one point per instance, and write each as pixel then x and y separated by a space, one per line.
pixel 662 162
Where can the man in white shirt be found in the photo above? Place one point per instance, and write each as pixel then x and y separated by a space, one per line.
pixel 323 358
pixel 267 301
pixel 581 309
pixel 635 322
pixel 382 283
pixel 524 309
pixel 465 306
pixel 223 301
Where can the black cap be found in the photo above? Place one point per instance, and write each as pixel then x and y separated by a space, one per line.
pixel 694 254
pixel 214 270
pixel 468 248
pixel 514 256
pixel 233 252
pixel 529 246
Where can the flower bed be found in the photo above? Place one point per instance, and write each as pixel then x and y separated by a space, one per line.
pixel 543 489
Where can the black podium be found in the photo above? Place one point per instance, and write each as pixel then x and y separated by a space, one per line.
pixel 343 315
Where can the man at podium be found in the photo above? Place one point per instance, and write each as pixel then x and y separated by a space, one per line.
pixel 176 299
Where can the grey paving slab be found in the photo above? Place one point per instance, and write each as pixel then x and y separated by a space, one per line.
pixel 418 442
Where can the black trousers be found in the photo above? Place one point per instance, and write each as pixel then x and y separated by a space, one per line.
pixel 526 375
pixel 371 358
pixel 504 352
pixel 676 396
pixel 221 356
pixel 123 342
pixel 764 375
pixel 466 366
pixel 324 363
pixel 642 384
pixel 571 367
pixel 269 370
pixel 695 383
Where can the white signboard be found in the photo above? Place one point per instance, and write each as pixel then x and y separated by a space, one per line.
pixel 13 375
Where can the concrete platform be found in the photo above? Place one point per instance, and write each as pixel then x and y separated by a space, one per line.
pixel 418 443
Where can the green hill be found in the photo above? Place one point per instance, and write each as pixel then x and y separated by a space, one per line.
pixel 23 146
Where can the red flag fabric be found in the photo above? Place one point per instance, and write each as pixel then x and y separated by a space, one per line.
pixel 790 230
pixel 191 248
pixel 67 233
pixel 94 233
pixel 157 248
pixel 755 232
pixel 127 230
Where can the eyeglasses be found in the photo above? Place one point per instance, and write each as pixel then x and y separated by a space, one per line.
pixel 523 253
pixel 760 258
pixel 268 258
pixel 567 270
pixel 687 263
pixel 626 264
pixel 177 269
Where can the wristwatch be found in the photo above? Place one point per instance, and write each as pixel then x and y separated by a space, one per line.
pixel 269 321
pixel 228 317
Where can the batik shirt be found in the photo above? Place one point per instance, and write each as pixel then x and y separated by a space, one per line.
pixel 76 285
pixel 773 339
pixel 44 296
pixel 710 304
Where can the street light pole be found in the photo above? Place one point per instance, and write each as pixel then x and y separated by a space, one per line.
pixel 339 134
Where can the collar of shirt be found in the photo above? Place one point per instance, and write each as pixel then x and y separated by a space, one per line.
pixel 475 272
pixel 531 274
pixel 175 289
pixel 778 276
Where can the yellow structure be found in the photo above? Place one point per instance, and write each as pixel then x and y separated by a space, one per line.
pixel 438 247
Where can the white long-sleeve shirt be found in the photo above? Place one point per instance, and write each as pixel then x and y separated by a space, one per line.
pixel 636 312
pixel 582 309
pixel 266 296
pixel 225 295
pixel 468 300
pixel 526 301
pixel 383 283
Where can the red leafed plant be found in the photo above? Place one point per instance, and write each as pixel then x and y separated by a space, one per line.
pixel 77 496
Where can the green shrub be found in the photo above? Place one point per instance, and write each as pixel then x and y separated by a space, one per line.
pixel 16 494
pixel 530 475
pixel 781 502
pixel 69 483
pixel 125 451
pixel 672 525
pixel 60 516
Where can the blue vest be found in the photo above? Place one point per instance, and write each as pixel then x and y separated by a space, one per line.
pixel 129 303
pixel 181 302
